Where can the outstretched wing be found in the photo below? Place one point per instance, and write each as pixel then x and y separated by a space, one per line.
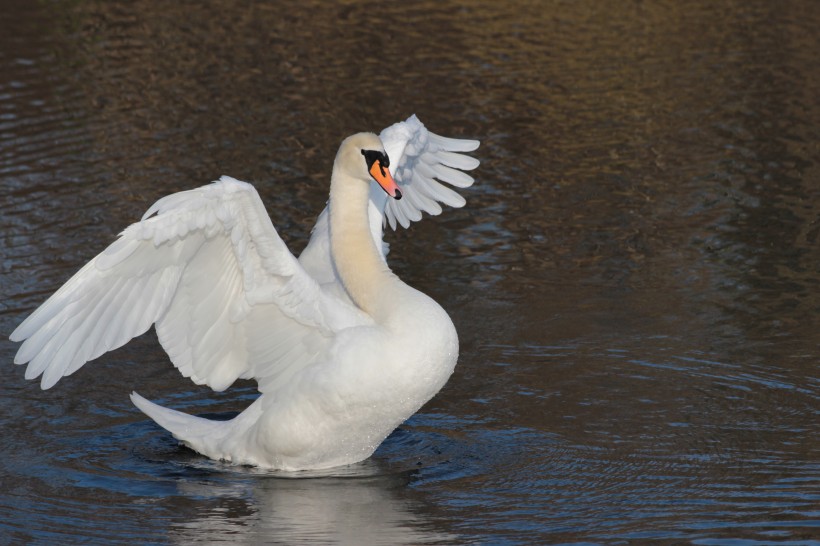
pixel 228 298
pixel 423 164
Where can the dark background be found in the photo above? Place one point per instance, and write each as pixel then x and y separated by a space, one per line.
pixel 634 277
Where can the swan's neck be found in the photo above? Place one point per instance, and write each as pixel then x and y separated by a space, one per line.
pixel 360 266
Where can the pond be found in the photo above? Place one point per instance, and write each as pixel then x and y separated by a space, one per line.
pixel 634 277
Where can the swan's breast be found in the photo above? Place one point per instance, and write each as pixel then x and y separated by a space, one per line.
pixel 425 341
pixel 377 376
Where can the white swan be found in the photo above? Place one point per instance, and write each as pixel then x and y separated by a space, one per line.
pixel 342 350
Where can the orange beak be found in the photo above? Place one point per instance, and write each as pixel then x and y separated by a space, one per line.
pixel 385 179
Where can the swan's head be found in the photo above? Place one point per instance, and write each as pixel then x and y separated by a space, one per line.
pixel 362 156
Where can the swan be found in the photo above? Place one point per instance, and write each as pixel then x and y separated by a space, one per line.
pixel 341 349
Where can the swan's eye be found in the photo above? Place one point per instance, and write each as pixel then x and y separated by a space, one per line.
pixel 371 156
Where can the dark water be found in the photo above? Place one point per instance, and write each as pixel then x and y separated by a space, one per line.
pixel 634 278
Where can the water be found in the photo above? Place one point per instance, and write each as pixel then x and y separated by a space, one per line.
pixel 634 278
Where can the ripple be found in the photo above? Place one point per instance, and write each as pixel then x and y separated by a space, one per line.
pixel 633 278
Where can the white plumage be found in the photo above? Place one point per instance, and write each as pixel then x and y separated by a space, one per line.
pixel 342 350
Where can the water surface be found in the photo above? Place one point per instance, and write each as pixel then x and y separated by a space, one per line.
pixel 634 277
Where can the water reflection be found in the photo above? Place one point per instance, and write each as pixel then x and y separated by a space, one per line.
pixel 353 510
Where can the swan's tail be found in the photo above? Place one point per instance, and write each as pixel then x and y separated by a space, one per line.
pixel 214 439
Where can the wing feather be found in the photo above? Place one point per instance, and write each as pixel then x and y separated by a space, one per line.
pixel 208 268
pixel 421 162
pixel 458 161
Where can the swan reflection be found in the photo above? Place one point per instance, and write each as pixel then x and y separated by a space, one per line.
pixel 358 505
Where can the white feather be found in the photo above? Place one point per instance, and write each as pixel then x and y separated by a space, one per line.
pixel 165 269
